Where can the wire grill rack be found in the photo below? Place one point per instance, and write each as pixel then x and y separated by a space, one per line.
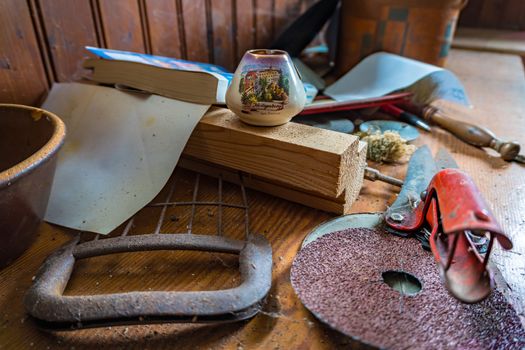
pixel 193 204
pixel 52 310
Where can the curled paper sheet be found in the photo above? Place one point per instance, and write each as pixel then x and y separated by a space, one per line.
pixel 119 152
pixel 382 73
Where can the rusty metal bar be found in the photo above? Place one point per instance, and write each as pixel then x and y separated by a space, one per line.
pixel 180 204
pixel 245 203
pixel 164 208
pixel 195 193
pixel 219 208
pixel 128 227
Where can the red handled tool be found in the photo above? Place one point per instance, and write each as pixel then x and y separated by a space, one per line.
pixel 440 206
pixel 451 213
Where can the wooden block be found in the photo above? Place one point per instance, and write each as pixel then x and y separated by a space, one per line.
pixel 340 205
pixel 316 167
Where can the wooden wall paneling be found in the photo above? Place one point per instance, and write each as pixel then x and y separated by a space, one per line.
pixel 122 24
pixel 264 23
pixel 285 12
pixel 508 14
pixel 499 14
pixel 245 29
pixel 22 72
pixel 223 22
pixel 163 25
pixel 69 26
pixel 280 16
pixel 470 14
pixel 196 30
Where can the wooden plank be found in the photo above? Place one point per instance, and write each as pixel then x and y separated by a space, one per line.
pixel 223 41
pixel 497 14
pixel 286 12
pixel 504 41
pixel 163 21
pixel 245 29
pixel 509 14
pixel 311 159
pixel 22 73
pixel 340 205
pixel 122 25
pixel 69 26
pixel 196 30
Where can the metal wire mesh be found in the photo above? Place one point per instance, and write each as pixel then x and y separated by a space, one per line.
pixel 193 204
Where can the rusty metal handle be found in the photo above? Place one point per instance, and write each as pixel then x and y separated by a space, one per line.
pixel 51 309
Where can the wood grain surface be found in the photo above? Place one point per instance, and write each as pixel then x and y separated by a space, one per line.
pixel 122 25
pixel 312 159
pixel 22 73
pixel 43 41
pixel 163 22
pixel 496 85
pixel 507 14
pixel 66 35
pixel 504 41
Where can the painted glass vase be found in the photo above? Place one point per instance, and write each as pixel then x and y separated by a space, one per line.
pixel 266 89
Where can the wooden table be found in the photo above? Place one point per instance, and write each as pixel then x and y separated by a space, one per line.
pixel 496 85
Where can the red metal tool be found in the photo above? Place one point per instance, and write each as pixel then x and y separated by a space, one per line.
pixel 454 216
pixel 335 106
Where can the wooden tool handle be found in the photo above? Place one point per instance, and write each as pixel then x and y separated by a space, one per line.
pixel 472 134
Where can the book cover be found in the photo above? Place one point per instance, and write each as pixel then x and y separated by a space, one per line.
pixel 223 75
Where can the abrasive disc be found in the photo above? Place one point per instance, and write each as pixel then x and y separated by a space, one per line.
pixel 340 278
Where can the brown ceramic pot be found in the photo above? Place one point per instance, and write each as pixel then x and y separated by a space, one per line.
pixel 29 140
pixel 419 29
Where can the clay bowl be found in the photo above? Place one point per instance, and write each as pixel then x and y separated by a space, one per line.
pixel 29 141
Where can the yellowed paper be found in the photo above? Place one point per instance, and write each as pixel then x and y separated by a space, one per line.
pixel 119 152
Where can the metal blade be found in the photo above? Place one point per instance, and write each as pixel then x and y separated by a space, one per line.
pixel 444 160
pixel 421 169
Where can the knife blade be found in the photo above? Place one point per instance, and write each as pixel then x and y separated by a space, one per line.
pixel 421 169
pixel 444 160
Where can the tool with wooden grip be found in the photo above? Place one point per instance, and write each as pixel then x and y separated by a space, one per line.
pixel 472 134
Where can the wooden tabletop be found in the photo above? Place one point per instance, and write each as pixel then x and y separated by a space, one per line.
pixel 496 86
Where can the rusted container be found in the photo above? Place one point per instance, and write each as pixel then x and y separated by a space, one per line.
pixel 29 141
pixel 419 29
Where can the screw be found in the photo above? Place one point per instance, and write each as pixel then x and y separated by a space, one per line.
pixel 423 195
pixel 397 217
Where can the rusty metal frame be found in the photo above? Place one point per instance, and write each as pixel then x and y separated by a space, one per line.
pixel 48 306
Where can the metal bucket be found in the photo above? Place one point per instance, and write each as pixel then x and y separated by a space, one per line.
pixel 29 141
pixel 419 29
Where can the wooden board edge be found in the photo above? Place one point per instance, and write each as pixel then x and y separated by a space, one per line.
pixel 311 159
pixel 312 200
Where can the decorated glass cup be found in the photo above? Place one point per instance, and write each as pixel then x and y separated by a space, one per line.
pixel 266 89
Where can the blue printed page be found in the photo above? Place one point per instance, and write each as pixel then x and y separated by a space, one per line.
pixel 159 61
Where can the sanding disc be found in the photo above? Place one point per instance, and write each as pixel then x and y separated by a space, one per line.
pixel 341 277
